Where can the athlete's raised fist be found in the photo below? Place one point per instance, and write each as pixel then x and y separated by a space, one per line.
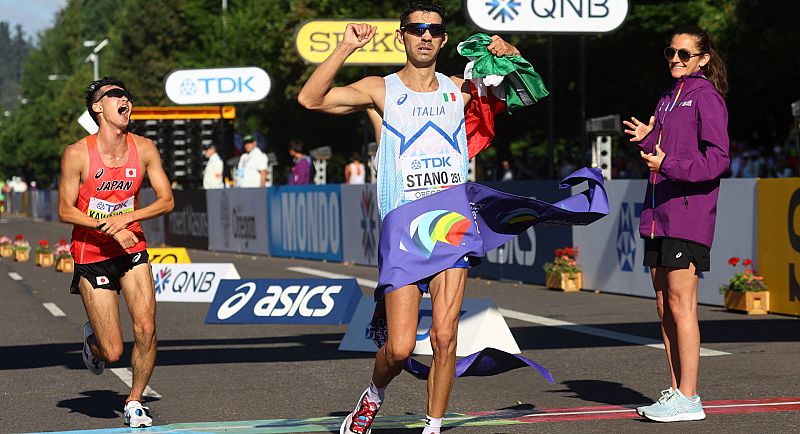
pixel 358 34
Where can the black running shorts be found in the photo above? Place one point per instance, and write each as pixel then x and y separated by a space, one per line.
pixel 106 274
pixel 676 253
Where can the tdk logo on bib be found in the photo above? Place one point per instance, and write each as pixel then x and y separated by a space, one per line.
pixel 284 301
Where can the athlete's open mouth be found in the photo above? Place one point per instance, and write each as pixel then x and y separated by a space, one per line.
pixel 122 109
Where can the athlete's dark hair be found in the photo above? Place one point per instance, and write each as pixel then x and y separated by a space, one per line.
pixel 93 92
pixel 715 69
pixel 421 6
pixel 296 145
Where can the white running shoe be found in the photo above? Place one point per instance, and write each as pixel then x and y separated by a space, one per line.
pixel 93 364
pixel 136 415
pixel 360 420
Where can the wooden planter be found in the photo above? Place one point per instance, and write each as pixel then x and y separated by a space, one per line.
pixel 65 265
pixel 754 303
pixel 45 259
pixel 22 255
pixel 6 251
pixel 567 282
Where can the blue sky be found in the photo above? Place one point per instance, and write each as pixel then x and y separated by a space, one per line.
pixel 34 15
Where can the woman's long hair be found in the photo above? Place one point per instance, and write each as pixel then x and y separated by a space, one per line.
pixel 715 69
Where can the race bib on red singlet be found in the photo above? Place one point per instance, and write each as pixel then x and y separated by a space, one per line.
pixel 99 208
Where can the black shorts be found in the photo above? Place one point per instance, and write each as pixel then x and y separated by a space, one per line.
pixel 676 253
pixel 106 274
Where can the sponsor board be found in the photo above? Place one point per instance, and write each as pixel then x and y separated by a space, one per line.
pixel 305 222
pixel 190 282
pixel 284 301
pixel 481 325
pixel 154 230
pixel 187 224
pixel 361 224
pixel 217 86
pixel 779 242
pixel 315 41
pixel 237 220
pixel 168 255
pixel 547 16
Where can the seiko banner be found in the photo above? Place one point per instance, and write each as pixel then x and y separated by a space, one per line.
pixel 217 86
pixel 154 231
pixel 187 224
pixel 612 252
pixel 306 222
pixel 361 224
pixel 547 16
pixel 284 301
pixel 523 258
pixel 237 220
pixel 779 243
pixel 168 255
pixel 190 282
pixel 315 41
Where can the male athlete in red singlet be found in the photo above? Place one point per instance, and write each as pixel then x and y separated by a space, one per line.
pixel 100 179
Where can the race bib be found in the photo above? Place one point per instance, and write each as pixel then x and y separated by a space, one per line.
pixel 99 208
pixel 426 175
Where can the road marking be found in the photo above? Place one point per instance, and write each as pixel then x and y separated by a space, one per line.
pixel 594 331
pixel 125 375
pixel 14 275
pixel 314 272
pixel 55 310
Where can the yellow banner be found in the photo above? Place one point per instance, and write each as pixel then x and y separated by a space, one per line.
pixel 779 242
pixel 169 255
pixel 315 41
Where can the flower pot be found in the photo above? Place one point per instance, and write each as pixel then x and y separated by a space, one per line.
pixel 6 251
pixel 21 255
pixel 44 259
pixel 567 282
pixel 65 265
pixel 752 302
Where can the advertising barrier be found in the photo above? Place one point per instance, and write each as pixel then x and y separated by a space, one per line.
pixel 237 220
pixel 190 282
pixel 361 224
pixel 187 224
pixel 154 231
pixel 315 41
pixel 779 242
pixel 522 259
pixel 547 16
pixel 168 255
pixel 480 326
pixel 284 301
pixel 305 222
pixel 612 252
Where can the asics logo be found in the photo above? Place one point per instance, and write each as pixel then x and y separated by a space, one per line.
pixel 402 99
pixel 99 173
pixel 137 257
pixel 678 255
pixel 279 301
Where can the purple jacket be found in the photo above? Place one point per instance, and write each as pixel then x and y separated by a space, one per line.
pixel 694 133
pixel 301 172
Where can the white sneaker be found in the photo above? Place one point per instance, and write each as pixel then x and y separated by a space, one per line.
pixel 665 394
pixel 93 364
pixel 360 420
pixel 136 415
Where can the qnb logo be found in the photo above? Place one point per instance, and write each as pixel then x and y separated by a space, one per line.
pixel 294 300
pixel 626 235
pixel 503 10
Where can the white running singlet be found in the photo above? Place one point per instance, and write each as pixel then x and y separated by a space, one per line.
pixel 423 147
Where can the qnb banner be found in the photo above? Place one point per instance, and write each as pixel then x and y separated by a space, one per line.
pixel 237 220
pixel 285 301
pixel 168 255
pixel 187 224
pixel 190 282
pixel 548 16
pixel 306 222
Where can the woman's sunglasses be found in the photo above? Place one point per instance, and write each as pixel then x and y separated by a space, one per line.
pixel 683 54
pixel 115 93
pixel 418 29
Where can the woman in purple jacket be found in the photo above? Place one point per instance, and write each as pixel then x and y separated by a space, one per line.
pixel 685 146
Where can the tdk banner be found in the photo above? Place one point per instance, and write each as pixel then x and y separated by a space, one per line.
pixel 284 301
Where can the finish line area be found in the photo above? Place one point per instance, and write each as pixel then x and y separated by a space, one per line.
pixel 602 350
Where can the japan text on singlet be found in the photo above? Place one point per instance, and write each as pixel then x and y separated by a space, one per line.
pixel 423 146
pixel 107 191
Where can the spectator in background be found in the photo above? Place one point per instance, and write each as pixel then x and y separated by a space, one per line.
pixel 253 165
pixel 355 172
pixel 301 169
pixel 212 174
pixel 505 173
pixel 566 168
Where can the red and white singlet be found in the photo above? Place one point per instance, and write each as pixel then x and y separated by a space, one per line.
pixel 107 191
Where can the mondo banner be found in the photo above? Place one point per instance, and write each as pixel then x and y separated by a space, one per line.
pixel 190 282
pixel 187 224
pixel 237 220
pixel 284 301
pixel 361 224
pixel 305 222
pixel 779 242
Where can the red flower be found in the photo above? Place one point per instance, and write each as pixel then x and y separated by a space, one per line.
pixel 747 263
pixel 559 252
pixel 19 237
pixel 62 241
pixel 733 261
pixel 43 243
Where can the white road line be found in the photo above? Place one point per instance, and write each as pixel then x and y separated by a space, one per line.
pixel 314 272
pixel 628 410
pixel 594 331
pixel 14 275
pixel 125 375
pixel 55 310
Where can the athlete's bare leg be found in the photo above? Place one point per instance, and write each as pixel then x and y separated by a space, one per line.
pixel 447 295
pixel 402 315
pixel 139 293
pixel 668 331
pixel 102 308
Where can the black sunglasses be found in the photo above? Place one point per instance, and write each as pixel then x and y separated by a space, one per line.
pixel 115 93
pixel 683 54
pixel 418 29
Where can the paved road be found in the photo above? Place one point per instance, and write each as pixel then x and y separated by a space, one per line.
pixel 232 373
